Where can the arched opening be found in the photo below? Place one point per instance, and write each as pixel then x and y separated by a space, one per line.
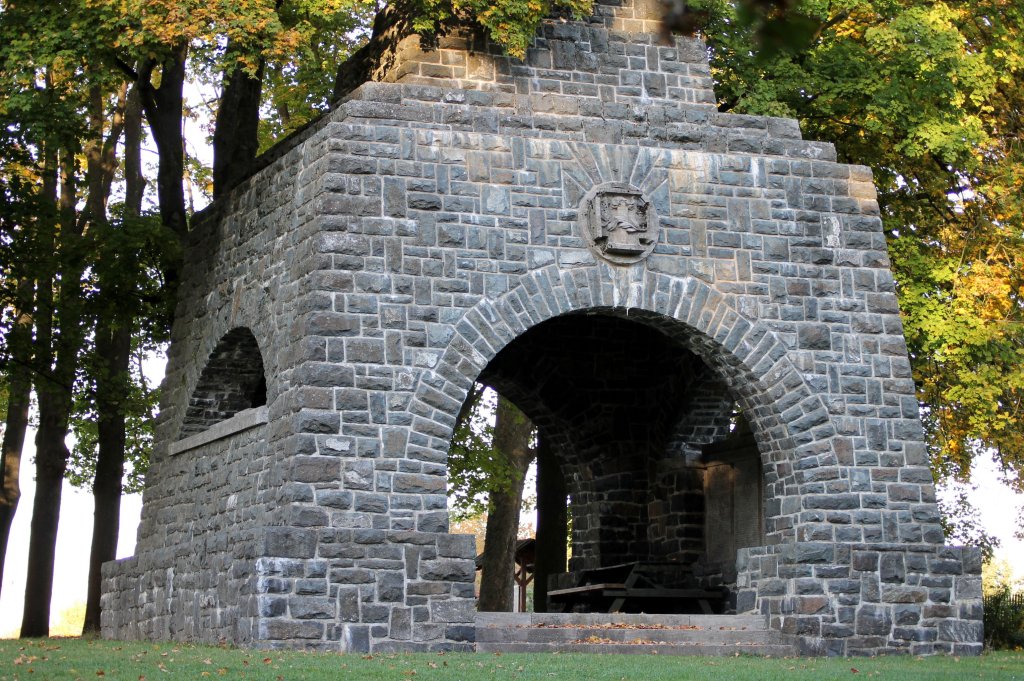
pixel 232 380
pixel 663 474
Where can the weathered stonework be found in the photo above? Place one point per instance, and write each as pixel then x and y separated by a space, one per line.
pixel 426 233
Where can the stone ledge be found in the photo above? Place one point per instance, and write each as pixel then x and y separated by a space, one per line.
pixel 243 420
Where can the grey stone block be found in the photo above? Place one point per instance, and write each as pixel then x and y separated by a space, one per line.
pixel 287 542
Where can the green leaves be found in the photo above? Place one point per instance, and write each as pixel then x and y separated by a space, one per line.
pixel 476 467
pixel 298 84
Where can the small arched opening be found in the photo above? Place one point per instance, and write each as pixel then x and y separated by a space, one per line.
pixel 232 381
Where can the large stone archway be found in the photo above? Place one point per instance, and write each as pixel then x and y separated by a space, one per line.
pixel 626 411
pixel 386 255
pixel 789 420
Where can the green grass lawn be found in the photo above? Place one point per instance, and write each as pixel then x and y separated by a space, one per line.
pixel 90 659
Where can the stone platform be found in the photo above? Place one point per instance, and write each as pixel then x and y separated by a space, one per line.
pixel 707 635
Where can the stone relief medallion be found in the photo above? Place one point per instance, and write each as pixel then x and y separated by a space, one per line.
pixel 618 223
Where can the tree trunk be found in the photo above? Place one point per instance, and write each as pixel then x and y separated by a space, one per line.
pixel 19 384
pixel 54 390
pixel 135 183
pixel 512 432
pixel 51 462
pixel 235 134
pixel 113 349
pixel 113 337
pixel 101 152
pixel 163 108
pixel 552 524
pixel 43 360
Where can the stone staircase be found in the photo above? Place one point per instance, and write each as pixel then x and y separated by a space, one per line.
pixel 711 635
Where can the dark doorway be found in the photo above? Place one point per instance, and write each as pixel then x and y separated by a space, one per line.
pixel 662 474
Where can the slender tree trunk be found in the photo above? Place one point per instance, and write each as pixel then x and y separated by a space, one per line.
pixel 135 183
pixel 113 339
pixel 235 134
pixel 47 231
pixel 54 391
pixel 51 462
pixel 552 524
pixel 512 432
pixel 113 348
pixel 19 384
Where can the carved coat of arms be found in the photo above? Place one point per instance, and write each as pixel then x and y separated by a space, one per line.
pixel 618 223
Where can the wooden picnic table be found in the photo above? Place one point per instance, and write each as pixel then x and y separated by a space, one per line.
pixel 633 587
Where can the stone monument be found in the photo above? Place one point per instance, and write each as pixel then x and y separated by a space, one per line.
pixel 695 308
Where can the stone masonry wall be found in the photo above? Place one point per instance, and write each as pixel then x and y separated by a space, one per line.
pixel 195 574
pixel 865 598
pixel 384 257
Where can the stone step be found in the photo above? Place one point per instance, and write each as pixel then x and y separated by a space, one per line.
pixel 763 650
pixel 750 622
pixel 712 635
pixel 569 634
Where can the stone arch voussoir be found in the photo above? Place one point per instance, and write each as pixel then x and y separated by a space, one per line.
pixel 786 416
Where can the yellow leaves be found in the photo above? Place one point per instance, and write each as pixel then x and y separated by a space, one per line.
pixel 985 291
pixel 163 23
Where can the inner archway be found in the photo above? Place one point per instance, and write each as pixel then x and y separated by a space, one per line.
pixel 663 475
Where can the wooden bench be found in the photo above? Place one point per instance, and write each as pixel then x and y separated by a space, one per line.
pixel 586 588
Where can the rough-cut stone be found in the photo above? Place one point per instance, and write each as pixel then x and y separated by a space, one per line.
pixel 584 231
